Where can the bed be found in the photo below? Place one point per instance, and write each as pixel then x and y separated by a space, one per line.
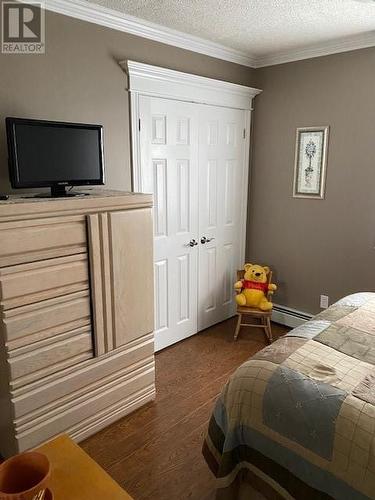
pixel 297 420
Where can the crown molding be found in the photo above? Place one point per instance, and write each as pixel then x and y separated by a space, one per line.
pixel 103 16
pixel 110 18
pixel 324 49
pixel 146 79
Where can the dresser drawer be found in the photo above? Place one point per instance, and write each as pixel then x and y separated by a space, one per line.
pixel 26 325
pixel 51 394
pixel 45 357
pixel 51 355
pixel 28 283
pixel 38 239
pixel 120 396
pixel 61 402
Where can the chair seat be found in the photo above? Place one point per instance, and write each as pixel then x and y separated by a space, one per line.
pixel 254 311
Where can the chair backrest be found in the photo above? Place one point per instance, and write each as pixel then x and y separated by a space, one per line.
pixel 241 274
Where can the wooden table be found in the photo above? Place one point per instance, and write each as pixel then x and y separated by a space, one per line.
pixel 76 476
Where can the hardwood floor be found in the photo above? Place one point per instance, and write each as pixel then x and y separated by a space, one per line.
pixel 155 453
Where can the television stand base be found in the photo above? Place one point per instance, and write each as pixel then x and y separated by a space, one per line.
pixel 65 195
pixel 59 192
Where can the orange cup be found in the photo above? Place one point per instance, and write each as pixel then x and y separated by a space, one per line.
pixel 23 476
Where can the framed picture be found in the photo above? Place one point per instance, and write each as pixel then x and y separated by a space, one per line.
pixel 310 162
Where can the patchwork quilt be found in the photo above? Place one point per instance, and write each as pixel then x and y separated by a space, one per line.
pixel 298 418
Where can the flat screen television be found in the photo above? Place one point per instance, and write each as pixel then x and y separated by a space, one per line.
pixel 54 154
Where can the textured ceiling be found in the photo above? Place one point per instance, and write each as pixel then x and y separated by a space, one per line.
pixel 257 27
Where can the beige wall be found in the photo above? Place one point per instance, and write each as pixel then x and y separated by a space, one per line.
pixel 79 80
pixel 316 246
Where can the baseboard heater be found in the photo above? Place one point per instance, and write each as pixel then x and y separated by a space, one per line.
pixel 288 316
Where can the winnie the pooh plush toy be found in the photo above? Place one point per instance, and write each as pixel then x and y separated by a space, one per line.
pixel 255 287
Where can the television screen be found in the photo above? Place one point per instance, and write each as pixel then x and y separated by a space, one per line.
pixel 43 153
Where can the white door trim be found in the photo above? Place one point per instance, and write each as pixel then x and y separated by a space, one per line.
pixel 245 189
pixel 162 82
pixel 144 79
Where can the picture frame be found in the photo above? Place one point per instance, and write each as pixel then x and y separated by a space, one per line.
pixel 310 164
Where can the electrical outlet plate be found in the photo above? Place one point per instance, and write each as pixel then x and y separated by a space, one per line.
pixel 324 301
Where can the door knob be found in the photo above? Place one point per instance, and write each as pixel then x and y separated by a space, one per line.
pixel 192 243
pixel 206 240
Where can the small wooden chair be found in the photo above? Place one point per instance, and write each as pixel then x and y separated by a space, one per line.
pixel 253 312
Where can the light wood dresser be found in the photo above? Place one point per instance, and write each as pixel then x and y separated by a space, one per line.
pixel 76 314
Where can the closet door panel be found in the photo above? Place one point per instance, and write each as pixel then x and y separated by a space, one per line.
pixel 207 275
pixel 221 166
pixel 169 156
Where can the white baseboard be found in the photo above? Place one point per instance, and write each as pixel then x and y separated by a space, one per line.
pixel 288 316
pixel 280 314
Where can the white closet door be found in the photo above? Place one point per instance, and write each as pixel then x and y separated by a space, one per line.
pixel 192 160
pixel 221 179
pixel 169 164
